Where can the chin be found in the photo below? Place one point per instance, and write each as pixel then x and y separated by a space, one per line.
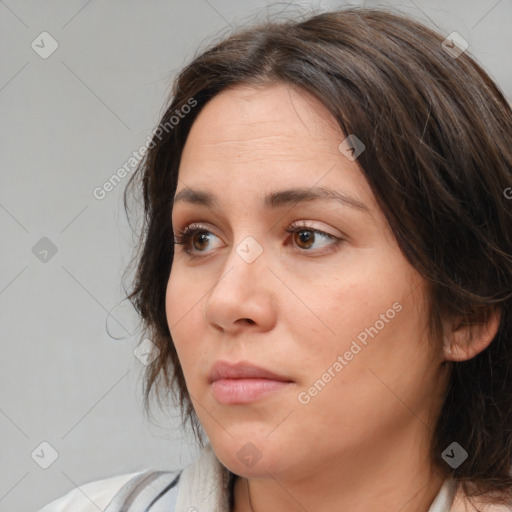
pixel 249 456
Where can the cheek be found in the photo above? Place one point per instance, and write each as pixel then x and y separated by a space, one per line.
pixel 183 298
pixel 183 312
pixel 375 385
pixel 379 303
pixel 374 321
pixel 347 307
pixel 175 289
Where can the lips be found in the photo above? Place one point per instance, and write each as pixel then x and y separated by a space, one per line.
pixel 243 370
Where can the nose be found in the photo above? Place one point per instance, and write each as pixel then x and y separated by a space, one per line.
pixel 243 295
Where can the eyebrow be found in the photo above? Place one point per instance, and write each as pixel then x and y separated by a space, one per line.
pixel 276 199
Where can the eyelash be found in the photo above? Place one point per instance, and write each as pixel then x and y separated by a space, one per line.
pixel 184 236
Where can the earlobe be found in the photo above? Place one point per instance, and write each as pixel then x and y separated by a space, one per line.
pixel 464 341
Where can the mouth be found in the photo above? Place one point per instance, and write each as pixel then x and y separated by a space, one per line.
pixel 243 370
pixel 243 391
pixel 242 383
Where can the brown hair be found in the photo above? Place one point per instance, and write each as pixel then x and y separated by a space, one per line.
pixel 438 159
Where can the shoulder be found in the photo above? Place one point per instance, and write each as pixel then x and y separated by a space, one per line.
pixel 90 496
pixel 111 494
pixel 479 506
pixel 203 484
pixel 483 503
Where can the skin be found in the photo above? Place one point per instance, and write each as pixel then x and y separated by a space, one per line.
pixel 361 444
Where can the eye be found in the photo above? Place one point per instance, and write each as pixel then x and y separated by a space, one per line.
pixel 303 236
pixel 187 237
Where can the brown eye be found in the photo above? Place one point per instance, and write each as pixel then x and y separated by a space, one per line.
pixel 304 238
pixel 194 239
pixel 200 242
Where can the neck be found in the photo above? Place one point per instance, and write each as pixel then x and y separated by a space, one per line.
pixel 393 477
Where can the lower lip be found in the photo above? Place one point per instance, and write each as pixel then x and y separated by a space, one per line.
pixel 242 391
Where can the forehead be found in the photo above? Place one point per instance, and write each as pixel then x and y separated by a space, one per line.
pixel 277 121
pixel 248 143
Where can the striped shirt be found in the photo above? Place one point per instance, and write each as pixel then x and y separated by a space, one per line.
pixel 203 486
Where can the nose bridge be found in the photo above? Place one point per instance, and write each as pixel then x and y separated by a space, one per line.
pixel 249 249
pixel 240 292
pixel 245 261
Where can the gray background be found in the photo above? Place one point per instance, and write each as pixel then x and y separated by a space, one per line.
pixel 68 122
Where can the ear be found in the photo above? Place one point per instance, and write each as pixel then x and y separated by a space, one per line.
pixel 463 341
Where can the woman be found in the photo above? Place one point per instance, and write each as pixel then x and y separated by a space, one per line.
pixel 326 273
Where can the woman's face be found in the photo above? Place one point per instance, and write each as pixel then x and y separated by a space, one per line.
pixel 334 308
